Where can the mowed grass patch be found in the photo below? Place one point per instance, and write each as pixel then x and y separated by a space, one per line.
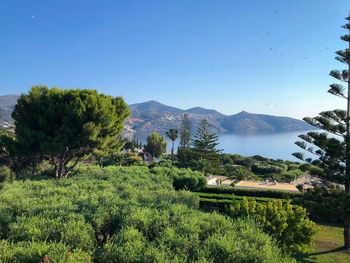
pixel 327 246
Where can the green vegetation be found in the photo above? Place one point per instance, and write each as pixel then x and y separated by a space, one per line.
pixel 63 126
pixel 121 214
pixel 328 244
pixel 288 224
pixel 172 135
pixel 185 142
pixel 182 178
pixel 258 168
pixel 156 145
pixel 332 153
pixel 251 192
pixel 203 151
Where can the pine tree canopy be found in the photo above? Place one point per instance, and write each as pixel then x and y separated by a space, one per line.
pixel 204 141
pixel 331 148
pixel 64 125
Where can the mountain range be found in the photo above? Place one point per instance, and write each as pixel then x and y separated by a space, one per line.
pixel 152 116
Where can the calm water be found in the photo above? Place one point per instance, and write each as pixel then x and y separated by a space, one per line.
pixel 275 146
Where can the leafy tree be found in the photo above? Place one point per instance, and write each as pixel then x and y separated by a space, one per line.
pixel 185 141
pixel 156 145
pixel 172 135
pixel 333 152
pixel 204 147
pixel 63 126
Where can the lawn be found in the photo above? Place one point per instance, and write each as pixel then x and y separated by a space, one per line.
pixel 327 247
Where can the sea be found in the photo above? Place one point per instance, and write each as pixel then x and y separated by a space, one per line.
pixel 274 146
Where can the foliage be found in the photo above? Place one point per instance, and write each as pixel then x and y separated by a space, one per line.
pixel 291 175
pixel 182 178
pixel 172 135
pixel 333 202
pixel 185 142
pixel 260 168
pixel 238 172
pixel 5 174
pixel 63 125
pixel 204 150
pixel 31 251
pixel 156 145
pixel 332 153
pixel 251 192
pixel 121 214
pixel 327 241
pixel 266 169
pixel 288 224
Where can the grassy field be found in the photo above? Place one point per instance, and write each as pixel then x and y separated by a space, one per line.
pixel 327 248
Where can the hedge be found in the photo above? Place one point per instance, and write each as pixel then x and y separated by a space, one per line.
pixel 251 192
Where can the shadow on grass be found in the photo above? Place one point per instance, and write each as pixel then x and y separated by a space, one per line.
pixel 311 257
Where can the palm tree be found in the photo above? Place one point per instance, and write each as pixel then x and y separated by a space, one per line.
pixel 172 135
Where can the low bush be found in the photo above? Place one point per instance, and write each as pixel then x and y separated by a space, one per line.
pixel 5 174
pixel 251 192
pixel 264 169
pixel 288 224
pixel 182 178
pixel 121 214
pixel 30 251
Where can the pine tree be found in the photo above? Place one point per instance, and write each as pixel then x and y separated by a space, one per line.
pixel 204 147
pixel 64 126
pixel 156 145
pixel 185 141
pixel 172 135
pixel 332 153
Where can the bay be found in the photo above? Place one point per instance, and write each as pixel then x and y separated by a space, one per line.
pixel 274 146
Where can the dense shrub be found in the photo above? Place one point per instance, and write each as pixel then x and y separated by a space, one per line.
pixel 5 174
pixel 121 214
pixel 182 178
pixel 291 175
pixel 251 192
pixel 34 252
pixel 266 169
pixel 288 224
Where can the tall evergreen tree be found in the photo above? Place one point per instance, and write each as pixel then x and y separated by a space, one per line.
pixel 172 135
pixel 185 141
pixel 185 133
pixel 332 153
pixel 204 148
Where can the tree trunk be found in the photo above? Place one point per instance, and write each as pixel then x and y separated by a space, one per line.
pixel 172 153
pixel 347 233
pixel 347 168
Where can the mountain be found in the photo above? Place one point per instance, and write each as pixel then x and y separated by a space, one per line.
pixel 152 116
pixel 250 123
pixel 7 104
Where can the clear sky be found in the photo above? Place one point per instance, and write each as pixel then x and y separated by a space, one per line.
pixel 262 56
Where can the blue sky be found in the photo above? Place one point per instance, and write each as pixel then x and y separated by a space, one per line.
pixel 262 56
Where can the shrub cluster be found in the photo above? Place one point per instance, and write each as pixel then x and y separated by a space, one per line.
pixel 121 214
pixel 182 178
pixel 288 224
pixel 251 192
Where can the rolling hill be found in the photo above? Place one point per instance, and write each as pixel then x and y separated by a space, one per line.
pixel 152 116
